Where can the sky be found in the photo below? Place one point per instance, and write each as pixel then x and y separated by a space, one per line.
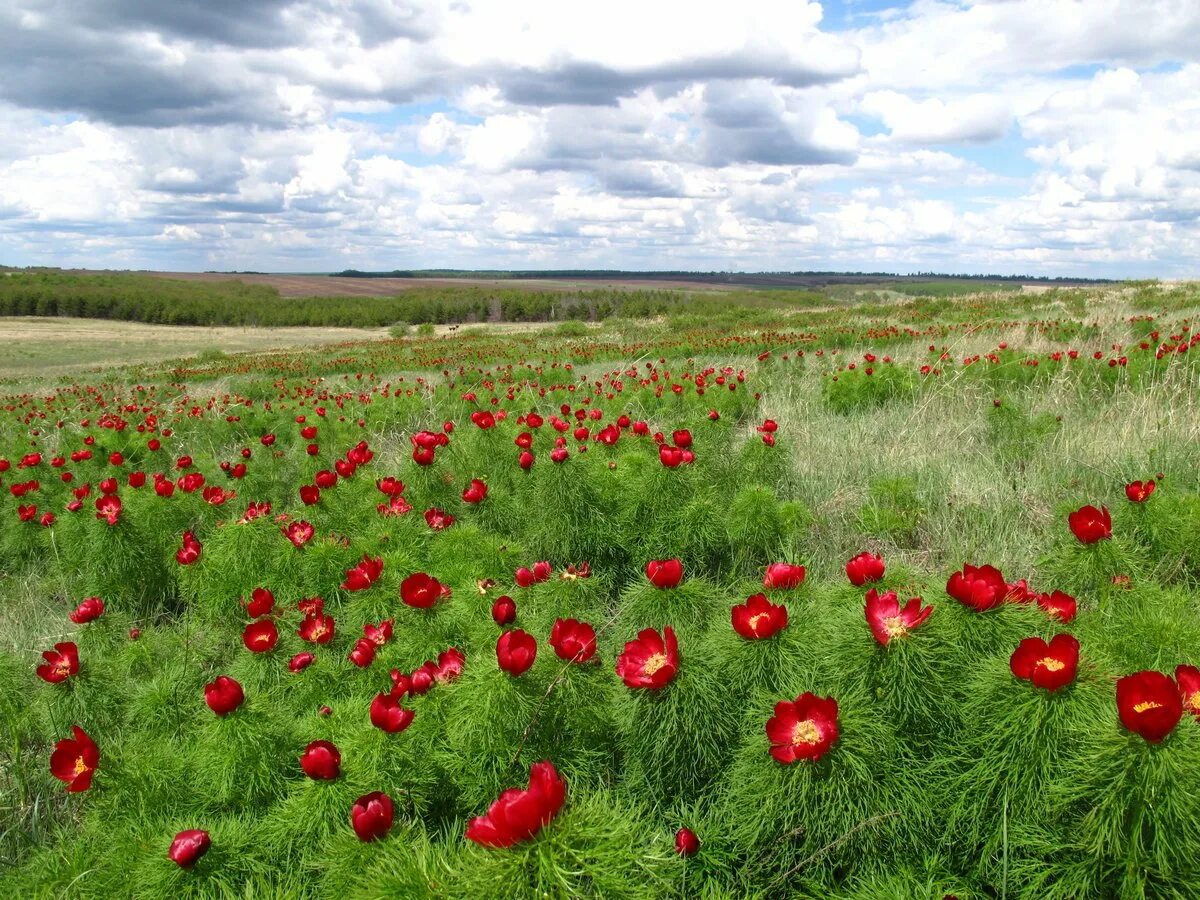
pixel 1056 137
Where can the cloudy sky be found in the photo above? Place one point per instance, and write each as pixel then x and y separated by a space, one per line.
pixel 1008 136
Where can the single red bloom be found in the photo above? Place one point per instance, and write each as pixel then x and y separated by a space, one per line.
pixel 1148 704
pixel 362 654
pixel 108 508
pixel 260 636
pixel 438 519
pixel 449 665
pixel 88 611
pixel 299 533
pixel 321 761
pixel 864 568
pixel 75 760
pixel 188 847
pixel 224 695
pixel 301 661
pixel 651 661
pixel 317 628
pixel 365 574
pixel 664 573
pixel 1140 491
pixel 262 603
pixel 888 620
pixel 804 728
pixel 1090 525
pixel 1047 665
pixel 310 494
pixel 422 591
pixel 388 715
pixel 371 816
pixel 686 842
pixel 1188 680
pixel 979 587
pixel 190 550
pixel 518 815
pixel 573 640
pixel 476 492
pixel 378 634
pixel 61 663
pixel 516 651
pixel 1058 605
pixel 504 611
pixel 759 618
pixel 783 576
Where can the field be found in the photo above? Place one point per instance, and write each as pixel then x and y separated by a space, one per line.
pixel 886 592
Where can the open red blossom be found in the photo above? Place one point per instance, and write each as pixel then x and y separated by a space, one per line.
pixel 759 618
pixel 864 568
pixel 664 573
pixel 450 664
pixel 438 519
pixel 188 846
pixel 1090 525
pixel 1047 665
pixel 371 816
pixel 1148 704
pixel 651 660
pixel 1140 491
pixel 475 492
pixel 190 550
pixel 362 654
pixel 388 715
pixel 224 695
pixel 393 487
pixel 74 761
pixel 573 640
pixel 518 815
pixel 301 661
pixel 504 611
pixel 88 611
pixel 783 576
pixel 804 728
pixel 979 587
pixel 365 574
pixel 888 620
pixel 516 651
pixel 260 636
pixel 261 603
pixel 541 571
pixel 686 842
pixel 1188 680
pixel 422 591
pixel 317 628
pixel 310 494
pixel 108 508
pixel 299 533
pixel 321 761
pixel 61 663
pixel 1058 605
pixel 378 634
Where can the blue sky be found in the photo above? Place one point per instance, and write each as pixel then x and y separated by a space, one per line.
pixel 1012 137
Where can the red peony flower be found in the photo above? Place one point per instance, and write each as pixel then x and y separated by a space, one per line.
pixel 664 573
pixel 803 729
pixel 1148 704
pixel 759 618
pixel 310 494
pixel 573 640
pixel 1140 491
pixel 1047 665
pixel 61 663
pixel 378 634
pixel 516 651
pixel 888 620
pixel 476 492
pixel 518 815
pixel 686 842
pixel 299 533
pixel 371 816
pixel 783 576
pixel 438 519
pixel 321 761
pixel 190 550
pixel 864 568
pixel 108 508
pixel 1058 605
pixel 262 603
pixel 88 611
pixel 651 661
pixel 260 636
pixel 450 664
pixel 224 695
pixel 979 587
pixel 388 715
pixel 365 574
pixel 422 591
pixel 1090 525
pixel 1188 680
pixel 188 847
pixel 504 611
pixel 301 661
pixel 74 761
pixel 317 628
pixel 362 654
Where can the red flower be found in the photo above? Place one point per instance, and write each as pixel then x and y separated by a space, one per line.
pixel 317 628
pixel 438 519
pixel 475 492
pixel 61 663
pixel 260 636
pixel 300 662
pixel 1188 680
pixel 759 618
pixel 362 654
pixel 1058 605
pixel 74 761
pixel 979 587
pixel 686 842
pixel 299 533
pixel 664 573
pixel 540 572
pixel 108 508
pixel 310 494
pixel 518 815
pixel 321 761
pixel 863 568
pixel 422 591
pixel 1148 703
pixel 516 651
pixel 371 816
pixel 1047 665
pixel 449 665
pixel 573 640
pixel 1090 525
pixel 888 620
pixel 388 715
pixel 378 634
pixel 783 576
pixel 88 611
pixel 504 611
pixel 803 729
pixel 526 460
pixel 364 574
pixel 190 551
pixel 188 847
pixel 1140 491
pixel 224 695
pixel 262 603
pixel 651 661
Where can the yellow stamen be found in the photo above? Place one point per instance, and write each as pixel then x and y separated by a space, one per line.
pixel 806 732
pixel 80 766
pixel 653 664
pixel 1146 705
pixel 754 620
pixel 1051 664
pixel 894 626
